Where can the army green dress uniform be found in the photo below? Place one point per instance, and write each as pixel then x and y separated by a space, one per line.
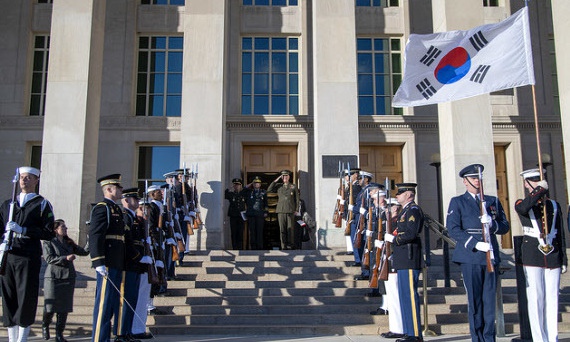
pixel 287 204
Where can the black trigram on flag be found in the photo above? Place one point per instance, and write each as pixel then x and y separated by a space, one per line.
pixel 430 55
pixel 426 89
pixel 478 41
pixel 480 73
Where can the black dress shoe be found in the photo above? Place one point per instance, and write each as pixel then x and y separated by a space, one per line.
pixel 362 277
pixel 45 332
pixel 356 264
pixel 373 294
pixel 381 311
pixel 155 311
pixel 142 336
pixel 390 334
pixel 407 338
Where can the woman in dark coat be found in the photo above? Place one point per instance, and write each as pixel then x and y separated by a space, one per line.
pixel 59 279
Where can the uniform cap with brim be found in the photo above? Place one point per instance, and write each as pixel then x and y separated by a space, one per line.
pixel 286 172
pixel 237 181
pixel 131 192
pixel 531 174
pixel 152 188
pixel 30 170
pixel 471 170
pixel 354 170
pixel 181 171
pixel 114 179
pixel 403 187
pixel 366 174
pixel 257 180
pixel 392 201
pixel 170 174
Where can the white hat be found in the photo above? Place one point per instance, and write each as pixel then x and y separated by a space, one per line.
pixel 152 188
pixel 366 174
pixel 531 174
pixel 29 169
pixel 392 201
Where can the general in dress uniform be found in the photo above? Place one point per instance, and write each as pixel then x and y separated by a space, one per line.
pixel 236 210
pixel 107 250
pixel 407 259
pixel 543 254
pixel 287 205
pixel 464 221
pixel 32 221
pixel 256 200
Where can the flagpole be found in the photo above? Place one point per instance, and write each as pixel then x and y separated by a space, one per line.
pixel 536 131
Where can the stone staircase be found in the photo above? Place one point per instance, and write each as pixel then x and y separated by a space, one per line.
pixel 304 292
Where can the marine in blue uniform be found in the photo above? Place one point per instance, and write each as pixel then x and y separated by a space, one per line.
pixel 107 250
pixel 407 259
pixel 543 254
pixel 465 222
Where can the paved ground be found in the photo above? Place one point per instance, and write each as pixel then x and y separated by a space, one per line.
pixel 358 338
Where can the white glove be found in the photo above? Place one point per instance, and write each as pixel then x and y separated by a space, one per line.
pixel 485 219
pixel 178 236
pixel 389 238
pixel 339 197
pixel 362 211
pixel 176 217
pixel 102 270
pixel 146 260
pixel 170 241
pixel 192 213
pixel 148 240
pixel 543 184
pixel 350 207
pixel 378 243
pixel 187 218
pixel 563 270
pixel 3 247
pixel 342 201
pixel 159 264
pixel 368 233
pixel 482 246
pixel 14 227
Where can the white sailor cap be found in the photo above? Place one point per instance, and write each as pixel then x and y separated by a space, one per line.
pixel 152 188
pixel 366 174
pixel 531 174
pixel 30 170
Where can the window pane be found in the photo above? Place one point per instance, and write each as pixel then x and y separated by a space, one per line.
pixel 382 63
pixel 143 61
pixel 261 43
pixel 292 2
pixel 365 105
pixel 246 104
pixel 396 63
pixel 156 105
pixel 176 43
pixel 382 105
pixel 247 2
pixel 155 161
pixel 157 83
pixel 293 105
pixel 293 44
pixel 293 84
pixel 246 43
pixel 141 105
pixel 173 105
pixel 35 102
pixel 261 62
pixel 261 105
pixel 362 2
pixel 279 62
pixel 279 84
pixel 157 61
pixel 279 105
pixel 279 3
pixel 364 62
pixel 141 83
pixel 261 83
pixel 382 85
pixel 246 84
pixel 293 62
pixel 261 2
pixel 380 45
pixel 364 44
pixel 175 61
pixel 37 83
pixel 365 85
pixel 174 85
pixel 279 43
pixel 158 42
pixel 246 62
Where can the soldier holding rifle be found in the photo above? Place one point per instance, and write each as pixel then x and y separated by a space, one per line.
pixel 25 219
pixel 363 181
pixel 156 220
pixel 474 226
pixel 543 254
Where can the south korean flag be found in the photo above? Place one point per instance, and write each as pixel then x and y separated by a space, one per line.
pixel 455 65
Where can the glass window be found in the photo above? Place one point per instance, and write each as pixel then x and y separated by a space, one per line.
pixel 377 3
pixel 45 1
pixel 554 75
pixel 155 161
pixel 491 3
pixel 379 66
pixel 163 2
pixel 270 2
pixel 36 157
pixel 159 78
pixel 270 76
pixel 39 76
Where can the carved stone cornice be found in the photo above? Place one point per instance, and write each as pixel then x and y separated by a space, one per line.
pixel 139 123
pixel 269 122
pixel 21 123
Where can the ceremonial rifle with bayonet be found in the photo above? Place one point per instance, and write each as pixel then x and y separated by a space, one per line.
pixel 485 227
pixel 339 206
pixel 386 250
pixel 349 217
pixel 152 270
pixel 9 236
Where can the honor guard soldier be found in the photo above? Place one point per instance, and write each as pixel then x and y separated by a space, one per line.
pixel 32 221
pixel 364 179
pixel 350 199
pixel 236 212
pixel 256 200
pixel 543 254
pixel 156 220
pixel 135 264
pixel 465 222
pixel 363 202
pixel 407 259
pixel 287 204
pixel 107 250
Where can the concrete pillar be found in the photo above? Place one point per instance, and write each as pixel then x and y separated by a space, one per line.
pixel 335 104
pixel 202 124
pixel 73 100
pixel 561 24
pixel 465 127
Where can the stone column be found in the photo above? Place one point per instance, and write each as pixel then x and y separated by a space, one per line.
pixel 335 104
pixel 465 127
pixel 560 9
pixel 202 124
pixel 73 100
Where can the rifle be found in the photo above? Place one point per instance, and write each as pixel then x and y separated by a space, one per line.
pixel 8 238
pixel 160 251
pixel 152 271
pixel 374 278
pixel 177 229
pixel 350 204
pixel 361 219
pixel 385 265
pixel 170 222
pixel 485 230
pixel 189 224
pixel 198 220
pixel 339 206
pixel 366 261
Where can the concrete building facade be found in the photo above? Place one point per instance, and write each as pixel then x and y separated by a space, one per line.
pixel 238 88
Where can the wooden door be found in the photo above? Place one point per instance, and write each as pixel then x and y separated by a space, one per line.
pixel 503 191
pixel 382 162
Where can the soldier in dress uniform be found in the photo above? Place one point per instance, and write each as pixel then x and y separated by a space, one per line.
pixel 256 200
pixel 107 250
pixel 135 264
pixel 32 221
pixel 354 182
pixel 464 222
pixel 407 259
pixel 236 210
pixel 543 255
pixel 364 179
pixel 287 204
pixel 344 201
pixel 156 218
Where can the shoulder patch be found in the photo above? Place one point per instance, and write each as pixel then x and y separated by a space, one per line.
pixel 412 219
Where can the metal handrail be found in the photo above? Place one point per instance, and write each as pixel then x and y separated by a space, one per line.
pixel 438 229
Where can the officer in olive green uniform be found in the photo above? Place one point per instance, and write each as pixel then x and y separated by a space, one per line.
pixel 287 205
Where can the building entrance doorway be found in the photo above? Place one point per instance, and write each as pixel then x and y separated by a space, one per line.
pixel 266 161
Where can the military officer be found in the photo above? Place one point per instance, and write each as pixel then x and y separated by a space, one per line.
pixel 287 204
pixel 256 200
pixel 236 211
pixel 32 221
pixel 407 259
pixel 107 250
pixel 543 254
pixel 465 222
